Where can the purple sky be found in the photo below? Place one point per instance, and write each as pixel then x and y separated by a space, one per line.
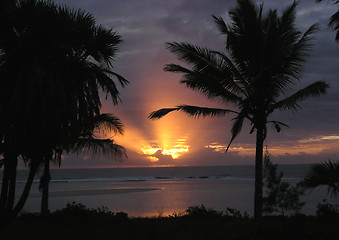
pixel 145 26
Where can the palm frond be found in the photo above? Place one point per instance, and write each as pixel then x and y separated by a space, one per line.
pixel 334 20
pixel 105 82
pixel 199 57
pixel 105 147
pixel 278 125
pixel 221 24
pixel 236 128
pixel 297 53
pixel 108 122
pixel 334 24
pixel 216 82
pixel 211 87
pixel 314 90
pixel 123 82
pixel 103 46
pixel 236 82
pixel 323 174
pixel 193 111
pixel 177 69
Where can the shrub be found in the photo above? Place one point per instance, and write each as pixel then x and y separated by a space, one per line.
pixel 79 209
pixel 201 211
pixel 327 211
pixel 281 196
pixel 235 213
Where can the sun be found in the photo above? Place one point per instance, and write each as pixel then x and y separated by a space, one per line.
pixel 175 151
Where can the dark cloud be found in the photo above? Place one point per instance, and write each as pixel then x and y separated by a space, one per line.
pixel 163 159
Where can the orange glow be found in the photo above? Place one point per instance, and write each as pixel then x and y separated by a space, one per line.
pixel 313 145
pixel 167 141
pixel 149 150
pixel 320 139
pixel 176 138
pixel 174 151
pixel 153 159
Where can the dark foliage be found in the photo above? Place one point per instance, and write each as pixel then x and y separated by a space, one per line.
pixel 327 211
pixel 79 222
pixel 334 21
pixel 202 211
pixel 323 174
pixel 281 195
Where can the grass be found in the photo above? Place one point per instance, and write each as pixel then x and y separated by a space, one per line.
pixel 78 222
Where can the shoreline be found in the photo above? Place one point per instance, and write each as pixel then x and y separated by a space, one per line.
pixel 91 192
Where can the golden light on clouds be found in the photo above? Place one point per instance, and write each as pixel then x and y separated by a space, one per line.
pixel 241 150
pixel 314 145
pixel 169 140
pixel 174 151
pixel 153 159
pixel 166 141
pixel 320 139
pixel 149 150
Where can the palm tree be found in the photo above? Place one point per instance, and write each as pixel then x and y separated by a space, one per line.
pixel 334 21
pixel 265 54
pixel 84 142
pixel 53 61
pixel 323 174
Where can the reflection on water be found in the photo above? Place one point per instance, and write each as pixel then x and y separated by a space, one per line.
pixel 166 197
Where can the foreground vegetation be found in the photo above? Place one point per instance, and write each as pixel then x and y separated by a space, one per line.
pixel 78 222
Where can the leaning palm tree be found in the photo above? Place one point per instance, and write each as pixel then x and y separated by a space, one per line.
pixel 323 174
pixel 264 59
pixel 334 21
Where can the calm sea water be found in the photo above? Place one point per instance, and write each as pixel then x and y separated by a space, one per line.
pixel 160 191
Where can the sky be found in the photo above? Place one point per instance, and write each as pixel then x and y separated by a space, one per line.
pixel 179 140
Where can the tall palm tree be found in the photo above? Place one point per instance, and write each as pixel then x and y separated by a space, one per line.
pixel 265 54
pixel 334 21
pixel 323 174
pixel 53 61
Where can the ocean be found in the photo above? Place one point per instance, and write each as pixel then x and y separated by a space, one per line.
pixel 160 191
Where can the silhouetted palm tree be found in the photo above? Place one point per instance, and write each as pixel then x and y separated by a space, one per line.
pixel 53 61
pixel 264 58
pixel 86 141
pixel 334 21
pixel 323 174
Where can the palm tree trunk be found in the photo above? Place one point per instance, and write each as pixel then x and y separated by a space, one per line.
pixel 20 204
pixel 13 163
pixel 44 187
pixel 4 186
pixel 258 191
pixel 8 182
